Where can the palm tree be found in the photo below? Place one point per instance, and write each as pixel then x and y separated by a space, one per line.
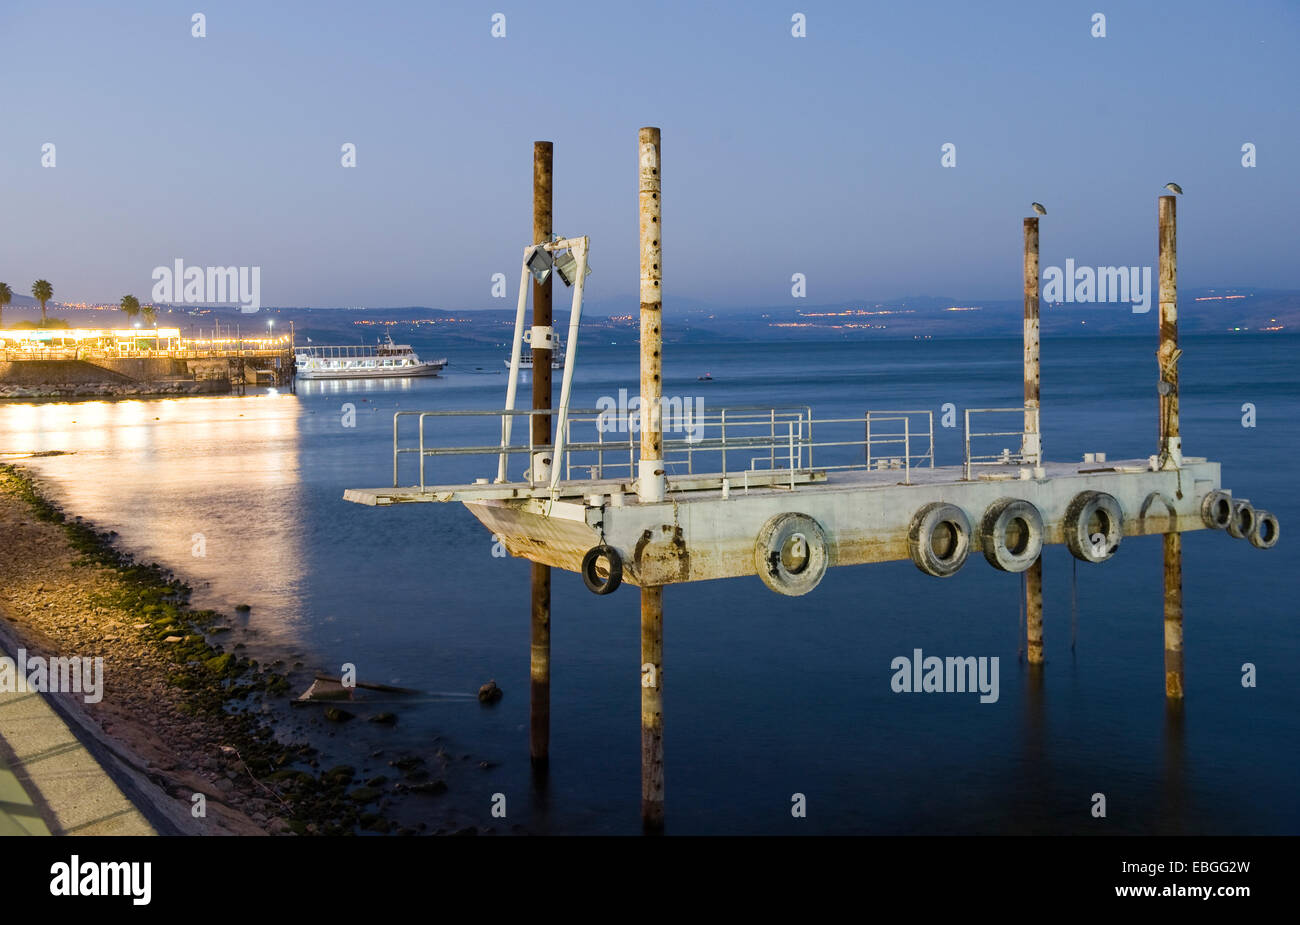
pixel 6 296
pixel 42 291
pixel 131 305
pixel 150 314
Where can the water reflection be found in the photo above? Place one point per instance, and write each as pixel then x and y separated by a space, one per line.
pixel 209 486
pixel 1175 790
pixel 311 387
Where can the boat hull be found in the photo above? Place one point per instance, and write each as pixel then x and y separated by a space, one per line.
pixel 424 369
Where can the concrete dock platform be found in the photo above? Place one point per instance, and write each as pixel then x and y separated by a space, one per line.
pixel 699 532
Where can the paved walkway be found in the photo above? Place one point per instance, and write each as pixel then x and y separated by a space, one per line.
pixel 49 782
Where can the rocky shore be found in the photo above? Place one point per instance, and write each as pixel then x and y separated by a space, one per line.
pixel 179 706
pixel 115 389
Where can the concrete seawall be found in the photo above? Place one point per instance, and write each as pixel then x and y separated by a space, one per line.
pixel 108 378
pixel 58 372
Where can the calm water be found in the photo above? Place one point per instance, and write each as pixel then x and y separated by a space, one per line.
pixel 765 696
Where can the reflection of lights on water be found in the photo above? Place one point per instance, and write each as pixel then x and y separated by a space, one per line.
pixel 342 386
pixel 159 471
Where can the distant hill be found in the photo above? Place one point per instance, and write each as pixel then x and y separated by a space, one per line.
pixel 1201 311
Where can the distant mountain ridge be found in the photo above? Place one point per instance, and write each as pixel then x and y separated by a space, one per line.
pixel 1201 311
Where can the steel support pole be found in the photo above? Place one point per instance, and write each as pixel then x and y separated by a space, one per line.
pixel 1034 612
pixel 1032 445
pixel 650 474
pixel 1173 615
pixel 1171 450
pixel 539 730
pixel 652 711
pixel 1031 450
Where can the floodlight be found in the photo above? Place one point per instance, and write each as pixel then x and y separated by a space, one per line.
pixel 567 266
pixel 539 264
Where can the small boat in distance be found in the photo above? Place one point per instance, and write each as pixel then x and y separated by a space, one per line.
pixel 707 377
pixel 557 358
pixel 381 361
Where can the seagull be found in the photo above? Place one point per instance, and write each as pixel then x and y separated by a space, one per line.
pixel 1038 207
pixel 1174 188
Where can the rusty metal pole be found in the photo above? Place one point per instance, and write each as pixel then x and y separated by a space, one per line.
pixel 1171 450
pixel 650 476
pixel 1173 616
pixel 539 734
pixel 652 709
pixel 650 472
pixel 1031 447
pixel 1034 612
pixel 1171 445
pixel 1032 444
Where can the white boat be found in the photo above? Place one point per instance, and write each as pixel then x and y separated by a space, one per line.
pixel 381 361
pixel 526 358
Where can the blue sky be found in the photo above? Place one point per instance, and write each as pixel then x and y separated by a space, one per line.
pixel 818 155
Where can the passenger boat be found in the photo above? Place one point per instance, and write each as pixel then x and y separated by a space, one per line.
pixel 526 358
pixel 363 361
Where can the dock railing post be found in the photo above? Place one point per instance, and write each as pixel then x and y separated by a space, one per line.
pixel 539 668
pixel 907 451
pixel 650 475
pixel 1171 450
pixel 966 440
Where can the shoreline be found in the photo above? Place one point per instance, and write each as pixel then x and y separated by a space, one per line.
pixel 180 714
pixel 186 387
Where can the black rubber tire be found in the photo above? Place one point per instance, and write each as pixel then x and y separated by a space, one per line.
pixel 1264 534
pixel 767 553
pixel 993 532
pixel 595 584
pixel 921 533
pixel 1243 519
pixel 1216 510
pixel 1075 526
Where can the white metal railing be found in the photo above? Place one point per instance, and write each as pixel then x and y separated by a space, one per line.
pixel 1006 456
pixel 898 434
pixel 730 442
pixel 763 436
pixel 502 449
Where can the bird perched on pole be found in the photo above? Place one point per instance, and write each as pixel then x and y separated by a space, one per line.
pixel 1038 207
pixel 1174 188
